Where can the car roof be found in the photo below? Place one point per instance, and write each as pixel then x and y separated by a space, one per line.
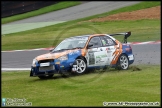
pixel 80 36
pixel 83 36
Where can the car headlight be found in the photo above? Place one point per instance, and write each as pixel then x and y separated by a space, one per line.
pixel 65 57
pixel 34 62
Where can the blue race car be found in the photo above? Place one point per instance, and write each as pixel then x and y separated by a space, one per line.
pixel 79 53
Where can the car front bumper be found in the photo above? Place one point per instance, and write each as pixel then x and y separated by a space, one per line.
pixel 56 67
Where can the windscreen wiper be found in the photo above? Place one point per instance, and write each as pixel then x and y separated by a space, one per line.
pixel 60 50
pixel 77 48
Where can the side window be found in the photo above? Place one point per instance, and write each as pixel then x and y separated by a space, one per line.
pixel 96 42
pixel 106 41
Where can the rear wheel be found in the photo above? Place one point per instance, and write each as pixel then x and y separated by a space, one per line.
pixel 123 62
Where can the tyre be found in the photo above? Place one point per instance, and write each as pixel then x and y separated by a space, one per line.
pixel 46 76
pixel 123 62
pixel 79 66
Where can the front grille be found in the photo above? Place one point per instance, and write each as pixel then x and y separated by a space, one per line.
pixel 46 68
pixel 44 61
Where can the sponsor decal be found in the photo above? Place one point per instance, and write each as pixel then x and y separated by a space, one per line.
pixel 99 61
pixel 127 49
pixel 107 49
pixel 61 66
pixel 57 63
pixel 101 56
pixel 131 57
pixel 73 52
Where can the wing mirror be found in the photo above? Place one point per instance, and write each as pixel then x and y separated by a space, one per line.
pixel 50 50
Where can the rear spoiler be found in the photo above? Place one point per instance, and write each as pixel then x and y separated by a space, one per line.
pixel 126 35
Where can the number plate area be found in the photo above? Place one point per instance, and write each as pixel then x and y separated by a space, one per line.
pixel 47 68
pixel 44 64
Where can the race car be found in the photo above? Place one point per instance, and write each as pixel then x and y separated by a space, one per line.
pixel 77 54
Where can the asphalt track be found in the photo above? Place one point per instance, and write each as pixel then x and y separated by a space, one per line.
pixel 80 11
pixel 144 54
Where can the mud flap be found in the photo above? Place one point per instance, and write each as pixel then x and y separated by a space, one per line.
pixel 74 68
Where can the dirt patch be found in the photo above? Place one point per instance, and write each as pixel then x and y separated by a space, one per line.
pixel 149 13
pixel 134 68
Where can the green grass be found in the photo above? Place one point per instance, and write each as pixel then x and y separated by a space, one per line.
pixel 142 30
pixel 58 6
pixel 90 89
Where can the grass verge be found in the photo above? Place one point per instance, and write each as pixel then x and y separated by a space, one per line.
pixel 138 6
pixel 90 89
pixel 142 30
pixel 58 6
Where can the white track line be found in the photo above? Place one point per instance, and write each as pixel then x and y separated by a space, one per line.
pixel 14 69
pixel 19 69
pixel 26 50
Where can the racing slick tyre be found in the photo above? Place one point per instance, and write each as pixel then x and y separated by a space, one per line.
pixel 79 66
pixel 123 62
pixel 46 76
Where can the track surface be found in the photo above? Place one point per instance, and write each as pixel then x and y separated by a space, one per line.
pixel 144 54
pixel 80 11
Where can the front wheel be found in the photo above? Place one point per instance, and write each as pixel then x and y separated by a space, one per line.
pixel 123 62
pixel 79 66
